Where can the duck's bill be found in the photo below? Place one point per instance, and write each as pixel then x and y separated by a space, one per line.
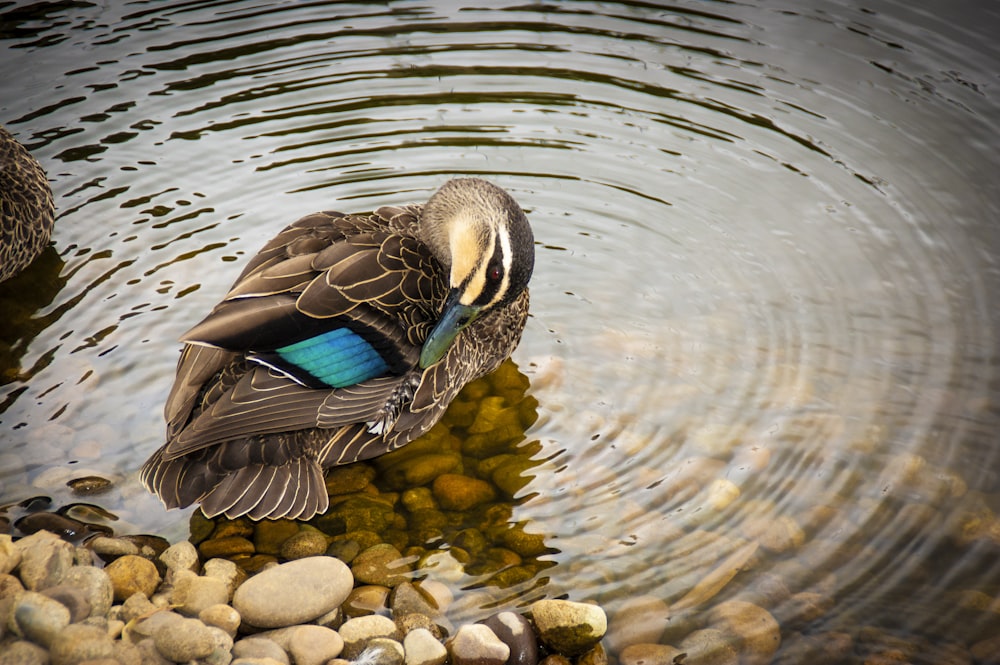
pixel 454 319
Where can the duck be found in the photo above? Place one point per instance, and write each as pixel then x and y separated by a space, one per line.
pixel 27 212
pixel 344 338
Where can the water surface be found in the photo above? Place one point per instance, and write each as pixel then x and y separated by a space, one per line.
pixel 765 303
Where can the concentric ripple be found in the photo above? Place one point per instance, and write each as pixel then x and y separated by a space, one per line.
pixel 765 310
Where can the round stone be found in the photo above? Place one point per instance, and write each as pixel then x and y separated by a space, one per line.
pixel 40 618
pixel 420 647
pixel 10 556
pixel 191 593
pixel 640 620
pixel 314 645
pixel 221 616
pixel 757 630
pixel 383 651
pixel 567 627
pixel 78 642
pixel 475 644
pixel 260 648
pixel 358 632
pixel 457 492
pixel 73 598
pixel 132 574
pixel 180 556
pixel 514 630
pixel 23 653
pixel 45 558
pixel 183 640
pixel 95 585
pixel 294 592
pixel 380 564
pixel 305 543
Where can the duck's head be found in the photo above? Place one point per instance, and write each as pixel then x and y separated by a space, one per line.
pixel 481 236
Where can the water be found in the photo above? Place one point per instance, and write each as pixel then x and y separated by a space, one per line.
pixel 765 299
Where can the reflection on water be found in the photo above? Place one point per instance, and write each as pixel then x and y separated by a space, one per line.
pixel 763 339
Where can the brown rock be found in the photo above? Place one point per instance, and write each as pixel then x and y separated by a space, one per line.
pixel 132 574
pixel 458 492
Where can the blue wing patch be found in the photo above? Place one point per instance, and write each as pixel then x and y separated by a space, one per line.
pixel 337 358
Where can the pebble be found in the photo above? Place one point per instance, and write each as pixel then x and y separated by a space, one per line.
pixel 367 599
pixel 221 616
pixel 758 633
pixel 72 598
pixel 709 647
pixel 421 647
pixel 382 651
pixel 639 620
pixel 259 648
pixel 459 492
pixel 180 556
pixel 192 593
pixel 45 558
pixel 10 555
pixel 293 592
pixel 132 574
pixel 514 630
pixel 80 642
pixel 94 584
pixel 381 564
pixel 23 653
pixel 40 618
pixel 568 627
pixel 359 631
pixel 182 640
pixel 303 544
pixel 313 645
pixel 407 599
pixel 476 644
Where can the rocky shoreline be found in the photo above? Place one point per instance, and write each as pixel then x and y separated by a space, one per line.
pixel 58 606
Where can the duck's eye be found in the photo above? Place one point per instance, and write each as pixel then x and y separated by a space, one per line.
pixel 493 273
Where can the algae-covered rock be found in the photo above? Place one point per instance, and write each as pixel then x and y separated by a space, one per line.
pixel 356 513
pixel 568 627
pixel 457 492
pixel 381 564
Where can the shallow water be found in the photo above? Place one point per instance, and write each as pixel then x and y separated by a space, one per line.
pixel 765 306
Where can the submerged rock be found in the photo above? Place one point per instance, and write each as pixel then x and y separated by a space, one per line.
pixel 567 627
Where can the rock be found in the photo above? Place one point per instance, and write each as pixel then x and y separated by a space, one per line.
pixel 514 630
pixel 639 620
pixel 221 616
pixel 357 632
pixel 260 648
pixel 407 599
pixel 438 627
pixel 758 632
pixel 134 607
pixel 40 618
pixel 567 627
pixel 819 649
pixel 10 555
pixel 306 542
pixel 462 493
pixel 367 599
pixel 72 598
pixel 476 644
pixel 94 584
pixel 348 479
pixel 226 546
pixel 648 654
pixel 345 550
pixel 222 647
pixel 381 564
pixel 191 593
pixel 293 592
pixel 79 642
pixel 313 645
pixel 109 548
pixel 23 653
pixel 225 570
pixel 421 647
pixel 132 574
pixel 45 558
pixel 709 647
pixel 183 640
pixel 180 556
pixel 596 656
pixel 383 651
